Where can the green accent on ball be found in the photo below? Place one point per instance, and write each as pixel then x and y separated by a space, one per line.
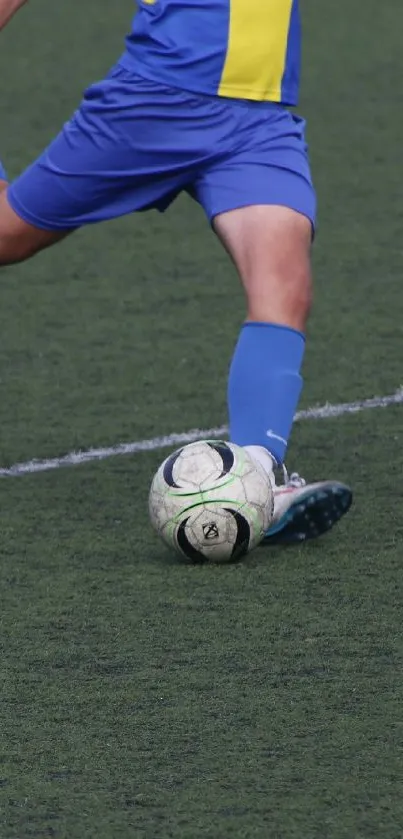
pixel 170 529
pixel 236 472
pixel 201 498
pixel 200 492
pixel 237 505
pixel 253 513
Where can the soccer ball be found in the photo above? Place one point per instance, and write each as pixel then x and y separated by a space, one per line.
pixel 211 502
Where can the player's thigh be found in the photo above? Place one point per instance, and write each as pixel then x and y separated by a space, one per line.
pixel 270 247
pixel 268 243
pixel 18 239
pixel 262 205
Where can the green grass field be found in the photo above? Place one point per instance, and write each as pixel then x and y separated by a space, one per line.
pixel 140 697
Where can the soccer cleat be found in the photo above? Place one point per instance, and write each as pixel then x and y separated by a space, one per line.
pixel 304 511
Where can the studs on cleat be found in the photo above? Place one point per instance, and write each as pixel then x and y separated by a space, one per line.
pixel 311 516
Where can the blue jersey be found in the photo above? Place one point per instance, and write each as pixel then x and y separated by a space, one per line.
pixel 243 49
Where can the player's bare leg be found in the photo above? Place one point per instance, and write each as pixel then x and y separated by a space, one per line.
pixel 270 247
pixel 18 239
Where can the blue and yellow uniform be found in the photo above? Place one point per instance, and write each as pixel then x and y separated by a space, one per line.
pixel 198 102
pixel 243 49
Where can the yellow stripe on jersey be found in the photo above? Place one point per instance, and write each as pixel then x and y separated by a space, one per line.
pixel 257 49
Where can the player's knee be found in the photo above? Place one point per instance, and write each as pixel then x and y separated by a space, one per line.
pixel 270 246
pixel 12 250
pixel 13 230
pixel 18 239
pixel 280 297
pixel 296 290
pixel 14 247
pixel 280 283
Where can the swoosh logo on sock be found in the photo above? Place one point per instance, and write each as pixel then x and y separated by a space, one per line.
pixel 274 436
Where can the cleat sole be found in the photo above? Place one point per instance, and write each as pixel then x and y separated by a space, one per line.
pixel 311 516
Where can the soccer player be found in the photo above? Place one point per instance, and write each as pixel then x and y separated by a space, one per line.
pixel 199 102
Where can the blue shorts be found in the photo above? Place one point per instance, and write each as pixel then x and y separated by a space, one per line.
pixel 135 145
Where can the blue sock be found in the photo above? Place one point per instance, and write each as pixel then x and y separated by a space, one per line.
pixel 3 173
pixel 264 386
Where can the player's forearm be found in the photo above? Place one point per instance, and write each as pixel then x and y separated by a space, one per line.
pixel 7 9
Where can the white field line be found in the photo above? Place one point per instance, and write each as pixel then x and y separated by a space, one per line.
pixel 327 411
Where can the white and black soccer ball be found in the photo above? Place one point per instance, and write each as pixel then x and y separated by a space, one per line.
pixel 211 502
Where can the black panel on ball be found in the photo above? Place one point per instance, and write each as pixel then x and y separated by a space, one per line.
pixel 241 543
pixel 169 467
pixel 186 547
pixel 226 454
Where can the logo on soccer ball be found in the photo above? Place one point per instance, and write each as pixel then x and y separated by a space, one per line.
pixel 210 531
